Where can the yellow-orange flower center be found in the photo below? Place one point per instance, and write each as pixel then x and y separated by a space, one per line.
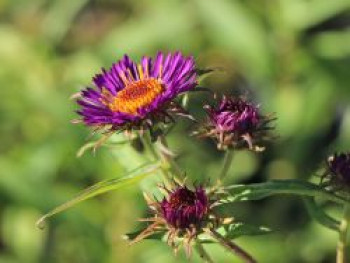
pixel 135 95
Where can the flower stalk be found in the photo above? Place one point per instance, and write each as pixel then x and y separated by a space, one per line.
pixel 231 246
pixel 149 146
pixel 343 232
pixel 226 165
pixel 168 158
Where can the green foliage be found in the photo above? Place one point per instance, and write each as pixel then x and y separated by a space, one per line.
pixel 293 187
pixel 291 54
pixel 236 230
pixel 104 187
pixel 319 215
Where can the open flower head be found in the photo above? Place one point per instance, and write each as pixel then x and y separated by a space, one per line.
pixel 182 215
pixel 337 175
pixel 136 95
pixel 237 123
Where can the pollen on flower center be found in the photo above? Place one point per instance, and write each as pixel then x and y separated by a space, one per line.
pixel 135 95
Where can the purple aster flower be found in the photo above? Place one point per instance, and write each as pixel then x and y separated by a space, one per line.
pixel 181 216
pixel 236 123
pixel 134 96
pixel 185 208
pixel 337 175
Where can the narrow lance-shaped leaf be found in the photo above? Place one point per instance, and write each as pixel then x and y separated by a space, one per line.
pixel 103 187
pixel 235 230
pixel 319 215
pixel 275 187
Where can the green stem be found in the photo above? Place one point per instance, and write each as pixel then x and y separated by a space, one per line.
pixel 203 253
pixel 226 166
pixel 343 231
pixel 231 246
pixel 169 160
pixel 146 139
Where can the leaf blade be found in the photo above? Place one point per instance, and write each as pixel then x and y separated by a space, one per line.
pixel 320 216
pixel 103 187
pixel 235 230
pixel 275 187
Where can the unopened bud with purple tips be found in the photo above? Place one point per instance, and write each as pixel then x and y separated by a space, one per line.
pixel 236 123
pixel 185 208
pixel 337 175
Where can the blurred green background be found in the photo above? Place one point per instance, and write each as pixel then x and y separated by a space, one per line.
pixel 291 56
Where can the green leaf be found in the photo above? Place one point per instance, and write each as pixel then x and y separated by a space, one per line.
pixel 103 187
pixel 235 230
pixel 275 187
pixel 319 215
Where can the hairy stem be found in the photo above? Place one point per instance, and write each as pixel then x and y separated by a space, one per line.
pixel 146 139
pixel 168 158
pixel 203 253
pixel 343 231
pixel 226 166
pixel 231 246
